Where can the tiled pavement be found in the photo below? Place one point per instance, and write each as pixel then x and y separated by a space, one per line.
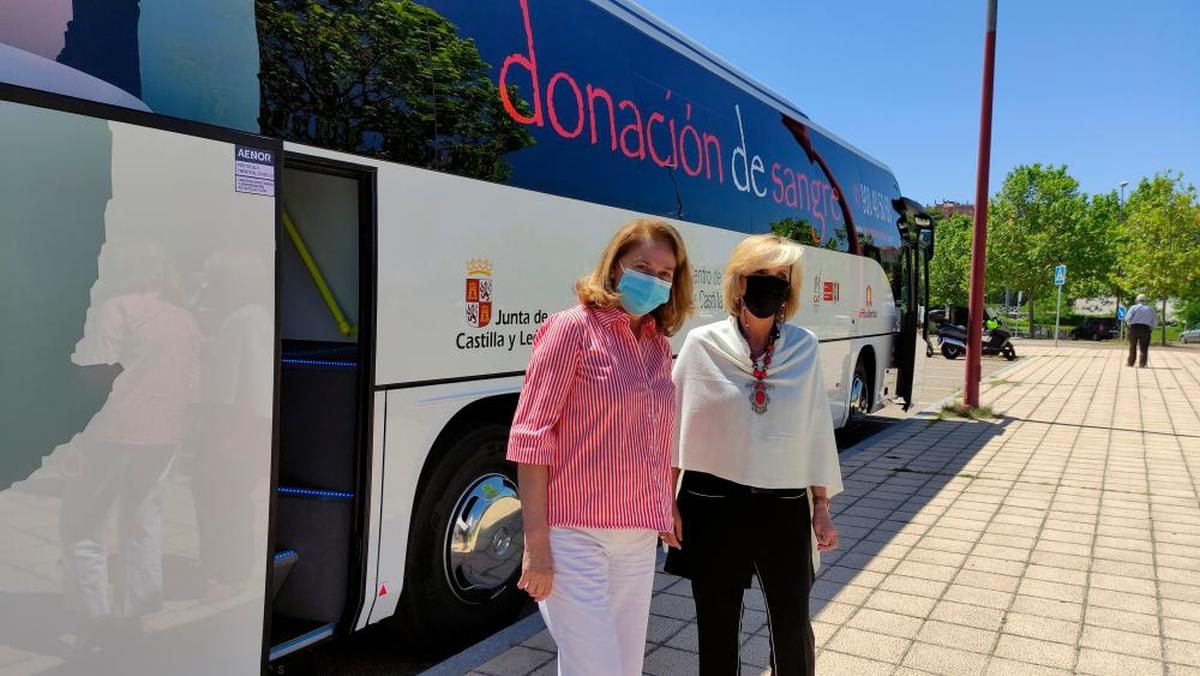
pixel 1062 538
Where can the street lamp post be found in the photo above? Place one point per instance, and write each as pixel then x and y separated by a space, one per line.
pixel 979 240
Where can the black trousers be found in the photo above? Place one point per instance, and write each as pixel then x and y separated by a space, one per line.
pixel 1139 339
pixel 731 532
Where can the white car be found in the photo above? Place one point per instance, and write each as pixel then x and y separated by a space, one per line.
pixel 1192 335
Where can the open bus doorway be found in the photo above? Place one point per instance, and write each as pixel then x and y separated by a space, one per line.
pixel 326 273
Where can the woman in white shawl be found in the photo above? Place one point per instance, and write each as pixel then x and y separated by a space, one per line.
pixel 756 450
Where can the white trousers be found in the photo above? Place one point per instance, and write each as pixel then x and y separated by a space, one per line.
pixel 599 605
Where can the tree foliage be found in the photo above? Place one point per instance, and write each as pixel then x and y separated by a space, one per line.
pixel 798 230
pixel 1097 272
pixel 1160 239
pixel 388 78
pixel 1038 220
pixel 1188 310
pixel 950 269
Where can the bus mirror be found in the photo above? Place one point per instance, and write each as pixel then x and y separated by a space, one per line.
pixel 926 236
pixel 911 211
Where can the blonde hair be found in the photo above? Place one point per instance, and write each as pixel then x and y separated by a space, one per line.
pixel 759 252
pixel 596 288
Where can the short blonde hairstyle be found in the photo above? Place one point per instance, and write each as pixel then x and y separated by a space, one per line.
pixel 596 289
pixel 759 252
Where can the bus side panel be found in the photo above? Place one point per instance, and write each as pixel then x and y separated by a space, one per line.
pixel 476 267
pixel 415 418
pixel 137 304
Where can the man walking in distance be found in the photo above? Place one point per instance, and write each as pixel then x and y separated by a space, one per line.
pixel 1141 320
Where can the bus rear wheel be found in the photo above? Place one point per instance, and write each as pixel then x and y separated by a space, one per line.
pixel 466 545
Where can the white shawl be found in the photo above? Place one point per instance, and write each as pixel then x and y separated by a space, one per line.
pixel 791 445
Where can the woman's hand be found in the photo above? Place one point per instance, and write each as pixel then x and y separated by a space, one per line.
pixel 537 572
pixel 822 523
pixel 674 538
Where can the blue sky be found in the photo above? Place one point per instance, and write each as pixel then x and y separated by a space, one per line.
pixel 1111 89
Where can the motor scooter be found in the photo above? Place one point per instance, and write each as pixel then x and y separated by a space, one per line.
pixel 952 339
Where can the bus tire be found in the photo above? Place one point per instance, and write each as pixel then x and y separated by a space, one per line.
pixel 466 545
pixel 860 407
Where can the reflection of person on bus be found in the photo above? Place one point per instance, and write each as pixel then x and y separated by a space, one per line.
pixel 233 419
pixel 592 437
pixel 756 448
pixel 124 453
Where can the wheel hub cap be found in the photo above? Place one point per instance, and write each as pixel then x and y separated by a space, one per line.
pixel 858 394
pixel 484 539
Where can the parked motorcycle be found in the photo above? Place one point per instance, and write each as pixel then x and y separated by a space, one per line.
pixel 952 339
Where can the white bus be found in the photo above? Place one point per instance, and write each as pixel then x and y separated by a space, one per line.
pixel 269 274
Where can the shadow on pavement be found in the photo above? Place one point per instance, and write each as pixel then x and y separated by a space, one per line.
pixel 888 484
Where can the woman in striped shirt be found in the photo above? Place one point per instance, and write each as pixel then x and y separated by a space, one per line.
pixel 592 436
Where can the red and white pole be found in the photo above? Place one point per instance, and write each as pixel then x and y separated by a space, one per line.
pixel 979 242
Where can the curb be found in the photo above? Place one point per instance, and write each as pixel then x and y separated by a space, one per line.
pixel 504 640
pixel 489 648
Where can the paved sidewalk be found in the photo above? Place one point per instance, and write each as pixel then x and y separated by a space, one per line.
pixel 1061 538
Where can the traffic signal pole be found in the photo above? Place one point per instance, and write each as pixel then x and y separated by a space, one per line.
pixel 979 241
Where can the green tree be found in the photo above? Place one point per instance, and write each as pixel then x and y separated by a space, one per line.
pixel 797 229
pixel 1096 272
pixel 1188 310
pixel 1037 221
pixel 388 78
pixel 950 269
pixel 1160 240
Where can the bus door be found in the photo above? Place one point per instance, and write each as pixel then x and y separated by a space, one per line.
pixel 912 280
pixel 137 299
pixel 925 255
pixel 904 348
pixel 320 567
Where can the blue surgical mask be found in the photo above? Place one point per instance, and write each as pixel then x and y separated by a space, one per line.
pixel 641 293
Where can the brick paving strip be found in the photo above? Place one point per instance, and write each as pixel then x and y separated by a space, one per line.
pixel 1061 538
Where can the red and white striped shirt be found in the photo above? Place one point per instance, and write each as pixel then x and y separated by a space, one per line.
pixel 598 408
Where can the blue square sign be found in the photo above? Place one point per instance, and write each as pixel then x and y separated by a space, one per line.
pixel 1060 275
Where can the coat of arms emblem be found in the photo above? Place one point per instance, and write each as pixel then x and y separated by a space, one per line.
pixel 479 292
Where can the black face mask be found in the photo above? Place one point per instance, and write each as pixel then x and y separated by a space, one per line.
pixel 764 296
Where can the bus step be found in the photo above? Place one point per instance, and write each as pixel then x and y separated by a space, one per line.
pixel 315 494
pixel 304 633
pixel 281 566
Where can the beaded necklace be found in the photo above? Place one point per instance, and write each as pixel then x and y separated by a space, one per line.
pixel 759 399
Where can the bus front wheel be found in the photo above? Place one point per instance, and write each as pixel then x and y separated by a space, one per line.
pixel 861 394
pixel 466 545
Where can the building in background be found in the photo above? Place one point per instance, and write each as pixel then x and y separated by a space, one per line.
pixel 950 208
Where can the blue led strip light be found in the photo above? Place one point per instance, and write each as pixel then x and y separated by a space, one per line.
pixel 315 493
pixel 285 554
pixel 319 362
